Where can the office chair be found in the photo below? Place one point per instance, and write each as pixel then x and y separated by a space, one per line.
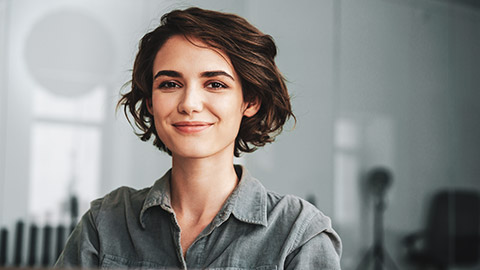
pixel 452 234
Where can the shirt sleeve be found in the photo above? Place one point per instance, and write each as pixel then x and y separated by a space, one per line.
pixel 319 247
pixel 82 247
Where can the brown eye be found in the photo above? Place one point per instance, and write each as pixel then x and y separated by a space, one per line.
pixel 169 85
pixel 216 85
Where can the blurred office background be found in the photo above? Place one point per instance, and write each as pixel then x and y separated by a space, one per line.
pixel 390 84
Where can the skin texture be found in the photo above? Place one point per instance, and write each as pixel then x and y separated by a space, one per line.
pixel 183 91
pixel 197 105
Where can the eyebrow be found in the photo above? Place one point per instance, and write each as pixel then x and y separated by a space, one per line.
pixel 206 74
pixel 209 74
pixel 169 73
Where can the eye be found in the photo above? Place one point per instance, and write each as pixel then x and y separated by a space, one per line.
pixel 169 85
pixel 216 85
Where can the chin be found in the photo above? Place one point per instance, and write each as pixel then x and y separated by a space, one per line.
pixel 203 151
pixel 191 152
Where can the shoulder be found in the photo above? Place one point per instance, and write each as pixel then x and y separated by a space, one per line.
pixel 304 221
pixel 118 201
pixel 295 208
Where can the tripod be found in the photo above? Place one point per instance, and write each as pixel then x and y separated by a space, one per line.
pixel 377 254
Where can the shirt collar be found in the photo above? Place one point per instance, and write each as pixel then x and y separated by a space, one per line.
pixel 159 195
pixel 248 202
pixel 249 199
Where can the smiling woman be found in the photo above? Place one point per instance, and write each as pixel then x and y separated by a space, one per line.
pixel 206 86
pixel 197 102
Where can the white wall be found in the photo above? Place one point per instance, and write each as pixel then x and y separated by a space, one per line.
pixel 3 96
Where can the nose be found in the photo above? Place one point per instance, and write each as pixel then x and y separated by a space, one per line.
pixel 191 100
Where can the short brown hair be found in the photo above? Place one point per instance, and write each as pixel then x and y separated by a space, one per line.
pixel 252 55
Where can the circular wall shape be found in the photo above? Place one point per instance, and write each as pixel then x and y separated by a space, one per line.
pixel 69 53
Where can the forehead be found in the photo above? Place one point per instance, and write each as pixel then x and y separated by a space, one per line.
pixel 190 54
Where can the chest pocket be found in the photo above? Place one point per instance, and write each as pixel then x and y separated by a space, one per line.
pixel 115 262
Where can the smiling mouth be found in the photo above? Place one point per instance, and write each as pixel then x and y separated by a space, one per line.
pixel 191 127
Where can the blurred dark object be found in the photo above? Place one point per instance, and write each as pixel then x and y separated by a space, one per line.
pixel 474 4
pixel 47 243
pixel 452 234
pixel 32 246
pixel 17 261
pixel 378 180
pixel 3 247
pixel 60 240
pixel 311 199
pixel 73 212
pixel 44 244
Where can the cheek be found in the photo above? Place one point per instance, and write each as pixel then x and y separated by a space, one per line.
pixel 162 107
pixel 229 109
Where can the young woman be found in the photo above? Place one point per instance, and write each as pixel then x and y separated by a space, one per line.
pixel 206 87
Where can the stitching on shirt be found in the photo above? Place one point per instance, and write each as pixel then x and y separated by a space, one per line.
pixel 260 209
pixel 251 221
pixel 113 261
pixel 301 232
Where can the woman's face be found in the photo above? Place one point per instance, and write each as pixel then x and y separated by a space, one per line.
pixel 197 100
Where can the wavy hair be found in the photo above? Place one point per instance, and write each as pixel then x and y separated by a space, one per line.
pixel 251 53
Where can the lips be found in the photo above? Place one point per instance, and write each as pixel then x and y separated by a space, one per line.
pixel 191 126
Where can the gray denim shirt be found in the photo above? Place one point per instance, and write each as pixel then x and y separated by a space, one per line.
pixel 255 229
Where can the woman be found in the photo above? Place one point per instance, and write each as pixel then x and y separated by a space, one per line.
pixel 206 87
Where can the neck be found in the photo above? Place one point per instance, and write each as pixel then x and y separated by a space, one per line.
pixel 199 187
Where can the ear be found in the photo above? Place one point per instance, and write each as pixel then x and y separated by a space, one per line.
pixel 149 106
pixel 252 108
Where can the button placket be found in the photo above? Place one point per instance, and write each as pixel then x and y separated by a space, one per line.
pixel 176 238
